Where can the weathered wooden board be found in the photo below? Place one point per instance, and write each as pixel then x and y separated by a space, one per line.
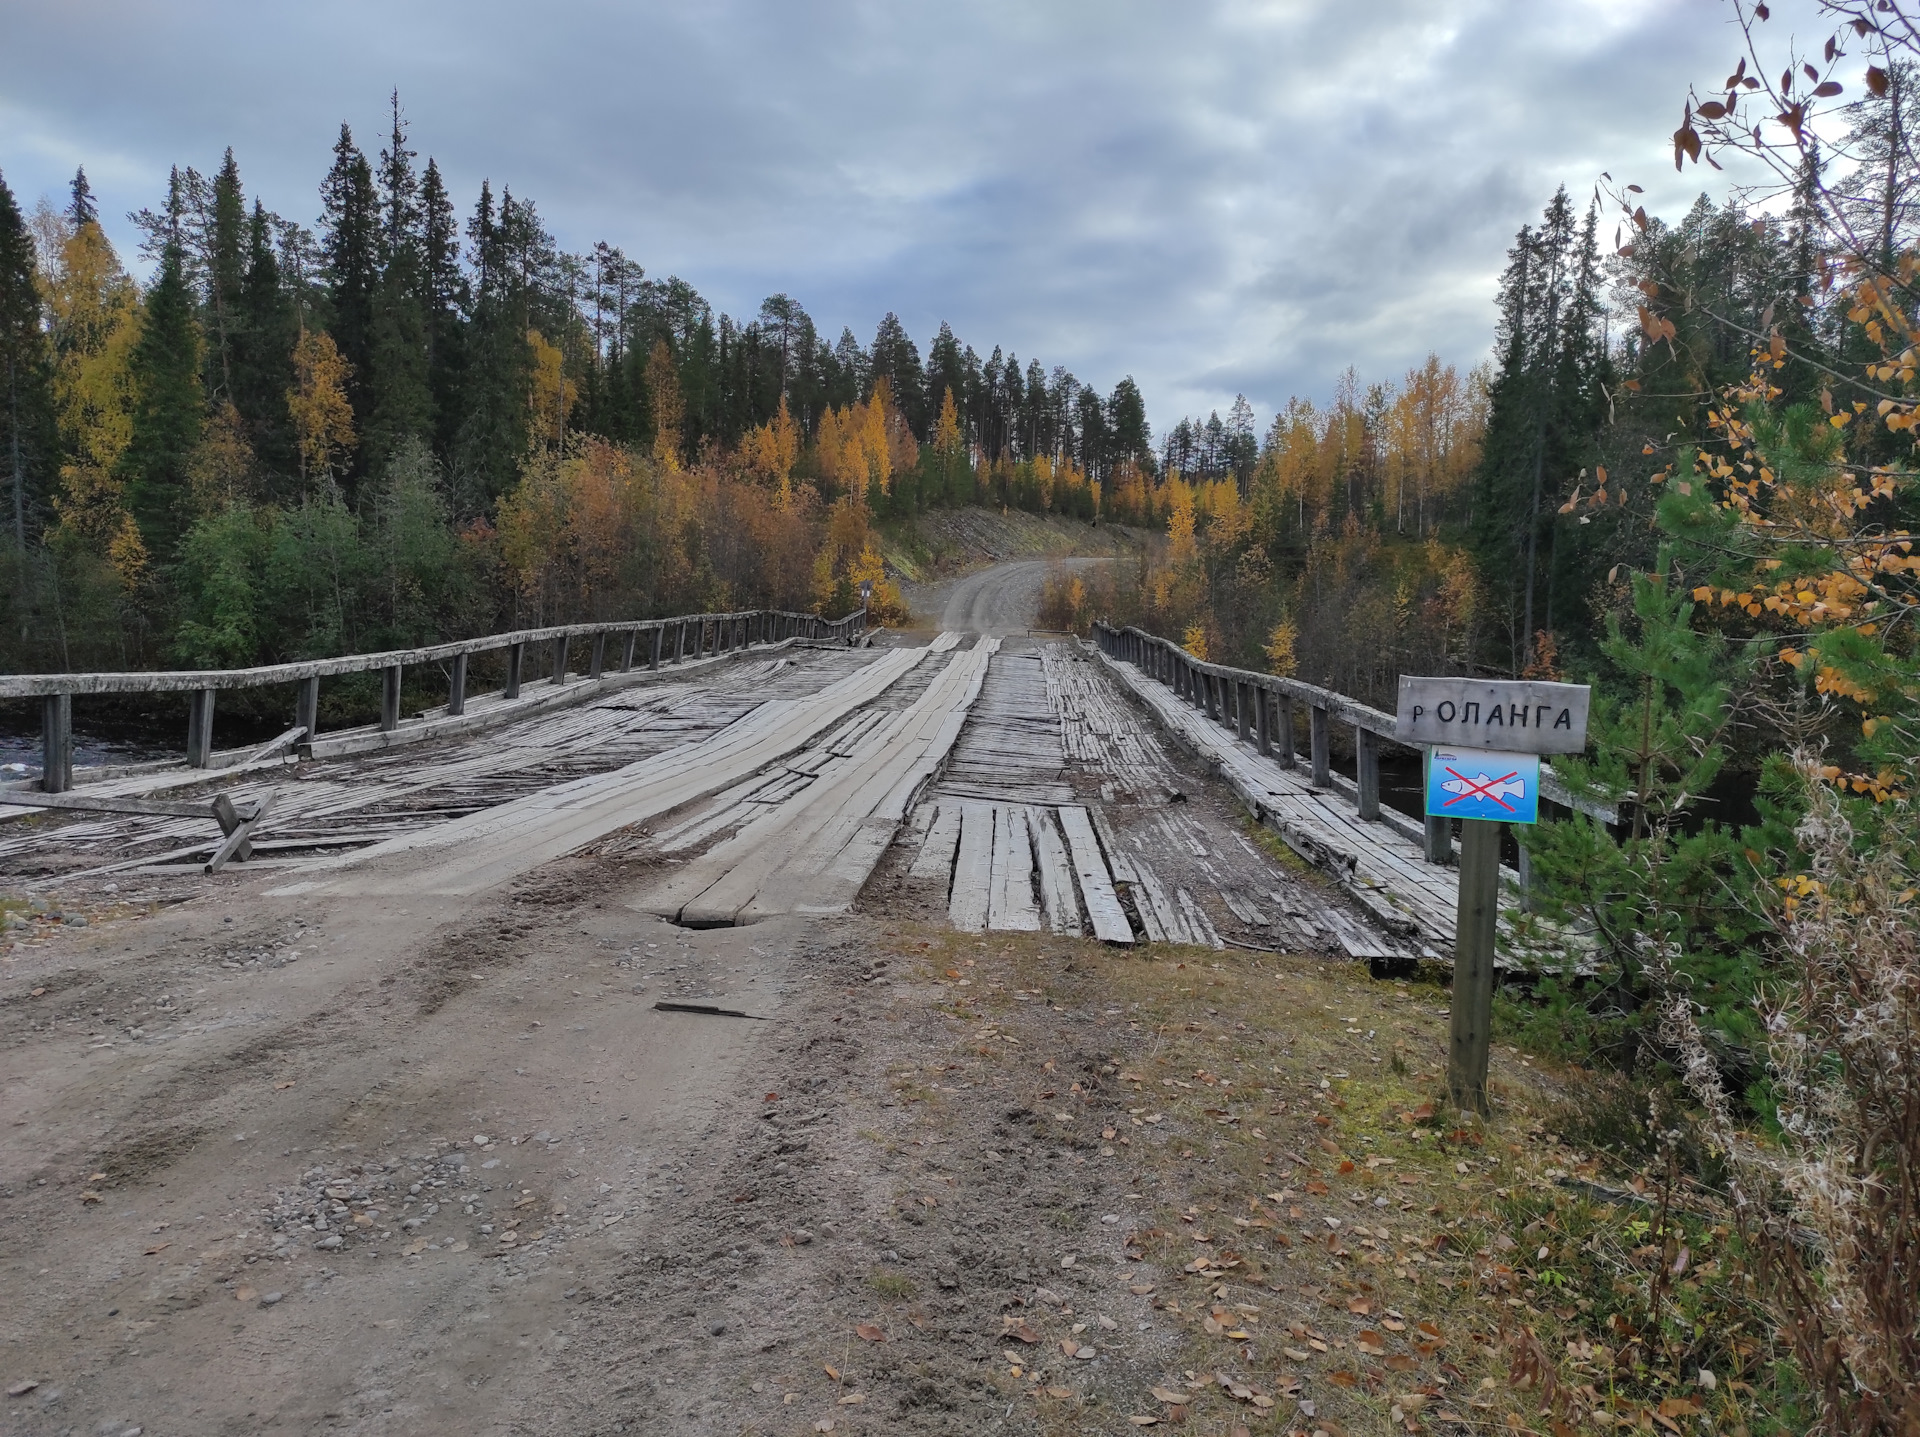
pixel 972 889
pixel 935 859
pixel 1104 913
pixel 1012 907
pixel 1058 905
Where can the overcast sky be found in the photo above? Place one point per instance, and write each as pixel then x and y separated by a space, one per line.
pixel 1214 197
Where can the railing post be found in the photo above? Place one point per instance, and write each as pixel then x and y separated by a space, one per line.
pixel 1438 839
pixel 516 655
pixel 56 743
pixel 1241 692
pixel 390 698
pixel 200 729
pixel 1366 768
pixel 1263 720
pixel 457 686
pixel 680 643
pixel 1322 744
pixel 1283 729
pixel 599 655
pixel 1213 695
pixel 559 661
pixel 653 648
pixel 306 707
pixel 628 642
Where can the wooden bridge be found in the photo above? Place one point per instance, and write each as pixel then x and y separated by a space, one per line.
pixel 761 764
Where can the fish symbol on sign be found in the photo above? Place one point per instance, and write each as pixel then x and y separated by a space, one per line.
pixel 1498 790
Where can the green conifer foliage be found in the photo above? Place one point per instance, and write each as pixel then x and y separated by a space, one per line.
pixel 263 351
pixel 27 442
pixel 169 407
pixel 350 250
pixel 402 400
pixel 226 242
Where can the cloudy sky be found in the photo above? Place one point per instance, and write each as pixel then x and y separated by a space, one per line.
pixel 1216 196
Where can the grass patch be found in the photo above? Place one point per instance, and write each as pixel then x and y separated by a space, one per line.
pixel 893 1286
pixel 1321 1228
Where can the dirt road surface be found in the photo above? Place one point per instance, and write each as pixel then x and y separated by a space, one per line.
pixel 332 1162
pixel 999 600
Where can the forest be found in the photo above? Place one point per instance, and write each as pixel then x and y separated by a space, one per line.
pixel 401 424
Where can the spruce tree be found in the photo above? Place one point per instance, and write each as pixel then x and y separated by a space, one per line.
pixel 82 210
pixel 27 440
pixel 493 427
pixel 443 291
pixel 169 406
pixel 263 351
pixel 350 257
pixel 226 275
pixel 402 402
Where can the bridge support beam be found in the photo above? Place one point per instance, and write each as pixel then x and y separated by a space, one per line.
pixel 1366 767
pixel 200 728
pixel 56 743
pixel 390 698
pixel 1321 737
pixel 306 708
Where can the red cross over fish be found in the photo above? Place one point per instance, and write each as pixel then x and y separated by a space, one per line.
pixel 1497 790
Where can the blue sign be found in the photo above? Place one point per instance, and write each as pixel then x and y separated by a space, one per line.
pixel 1481 783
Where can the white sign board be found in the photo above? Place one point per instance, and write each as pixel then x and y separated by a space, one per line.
pixel 1516 717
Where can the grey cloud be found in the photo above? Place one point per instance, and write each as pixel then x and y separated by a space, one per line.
pixel 1214 197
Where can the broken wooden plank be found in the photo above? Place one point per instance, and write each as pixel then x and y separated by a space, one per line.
pixel 89 803
pixel 935 859
pixel 240 833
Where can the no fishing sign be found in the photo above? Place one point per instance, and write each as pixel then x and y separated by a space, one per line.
pixel 1484 784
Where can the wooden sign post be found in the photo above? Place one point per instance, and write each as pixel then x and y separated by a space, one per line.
pixel 1484 741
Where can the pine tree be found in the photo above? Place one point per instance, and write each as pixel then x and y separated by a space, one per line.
pixel 169 405
pixel 1131 437
pixel 27 440
pixel 350 211
pixel 895 356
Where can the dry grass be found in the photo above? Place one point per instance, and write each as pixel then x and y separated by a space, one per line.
pixel 1319 1231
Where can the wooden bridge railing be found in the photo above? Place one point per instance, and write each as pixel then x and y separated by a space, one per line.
pixel 666 641
pixel 1261 707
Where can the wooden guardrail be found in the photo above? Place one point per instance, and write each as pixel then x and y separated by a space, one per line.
pixel 1261 707
pixel 667 641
